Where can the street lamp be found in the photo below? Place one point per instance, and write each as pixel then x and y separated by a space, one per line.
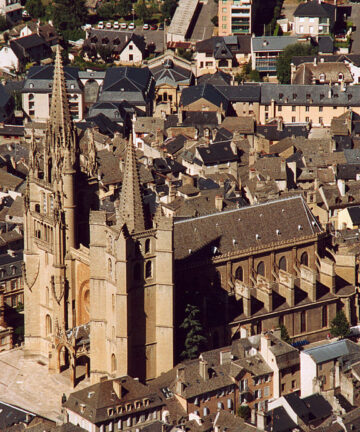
pixel 133 12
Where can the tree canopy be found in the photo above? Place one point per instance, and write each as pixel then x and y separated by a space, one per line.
pixel 168 8
pixel 69 16
pixel 142 11
pixel 340 326
pixel 283 64
pixel 35 8
pixel 194 339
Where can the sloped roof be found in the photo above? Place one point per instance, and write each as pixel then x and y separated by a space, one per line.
pixel 205 91
pixel 315 8
pixel 249 227
pixel 332 351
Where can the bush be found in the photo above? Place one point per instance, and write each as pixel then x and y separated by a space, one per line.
pixel 244 412
pixel 215 20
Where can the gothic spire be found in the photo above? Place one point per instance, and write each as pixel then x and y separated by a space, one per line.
pixel 131 209
pixel 60 119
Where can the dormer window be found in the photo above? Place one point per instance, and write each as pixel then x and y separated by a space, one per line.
pixel 341 77
pixel 322 77
pixel 294 96
pixel 31 85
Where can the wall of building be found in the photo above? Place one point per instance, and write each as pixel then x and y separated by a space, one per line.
pixel 307 374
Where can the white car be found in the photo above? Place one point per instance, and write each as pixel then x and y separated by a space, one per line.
pixel 146 27
pixel 100 24
pixel 116 25
pixel 123 26
pixel 131 26
pixel 108 25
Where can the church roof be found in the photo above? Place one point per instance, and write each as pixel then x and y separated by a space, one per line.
pixel 248 228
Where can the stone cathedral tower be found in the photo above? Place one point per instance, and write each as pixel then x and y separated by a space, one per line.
pixel 50 225
pixel 118 292
pixel 131 286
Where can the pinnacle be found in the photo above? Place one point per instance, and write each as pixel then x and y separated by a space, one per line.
pixel 60 118
pixel 131 205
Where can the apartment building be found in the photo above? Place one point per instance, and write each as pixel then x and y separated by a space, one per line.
pixel 235 17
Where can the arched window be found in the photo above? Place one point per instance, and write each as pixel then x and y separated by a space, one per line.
pixel 110 268
pixel 304 258
pixel 113 363
pixel 282 264
pixel 148 269
pixel 37 208
pixel 49 170
pixel 260 270
pixel 48 325
pixel 239 274
pixel 147 245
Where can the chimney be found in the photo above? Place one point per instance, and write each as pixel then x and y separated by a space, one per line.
pixel 315 61
pixel 280 124
pixel 225 357
pixel 118 388
pixel 203 369
pixel 341 186
pixel 181 114
pixel 219 202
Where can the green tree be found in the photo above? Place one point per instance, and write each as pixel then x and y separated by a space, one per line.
pixel 3 24
pixel 105 53
pixel 142 11
pixel 340 326
pixel 284 59
pixel 106 11
pixel 168 8
pixel 35 8
pixel 244 412
pixel 123 8
pixel 284 334
pixel 194 339
pixel 215 20
pixel 254 75
pixel 68 15
pixel 184 53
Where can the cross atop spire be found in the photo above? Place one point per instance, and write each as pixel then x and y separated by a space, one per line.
pixel 131 210
pixel 60 119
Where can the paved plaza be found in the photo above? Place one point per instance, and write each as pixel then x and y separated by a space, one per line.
pixel 25 382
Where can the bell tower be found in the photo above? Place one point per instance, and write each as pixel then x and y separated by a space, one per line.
pixel 131 286
pixel 50 222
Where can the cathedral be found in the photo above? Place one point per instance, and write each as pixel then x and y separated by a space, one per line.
pixel 98 289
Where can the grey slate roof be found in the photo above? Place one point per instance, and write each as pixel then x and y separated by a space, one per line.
pixel 171 73
pixel 315 9
pixel 131 84
pixel 41 77
pixel 354 213
pixel 272 43
pixel 318 95
pixel 206 91
pixel 332 351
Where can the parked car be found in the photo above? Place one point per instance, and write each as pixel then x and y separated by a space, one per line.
pixel 153 27
pixel 146 27
pixel 25 14
pixel 108 25
pixel 116 25
pixel 100 24
pixel 123 26
pixel 161 26
pixel 131 26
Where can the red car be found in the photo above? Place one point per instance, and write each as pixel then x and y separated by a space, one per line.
pixel 153 27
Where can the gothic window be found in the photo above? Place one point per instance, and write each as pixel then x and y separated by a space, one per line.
pixel 282 264
pixel 324 316
pixel 49 170
pixel 113 363
pixel 260 270
pixel 304 259
pixel 239 274
pixel 51 203
pixel 147 245
pixel 110 271
pixel 48 325
pixel 37 208
pixel 148 269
